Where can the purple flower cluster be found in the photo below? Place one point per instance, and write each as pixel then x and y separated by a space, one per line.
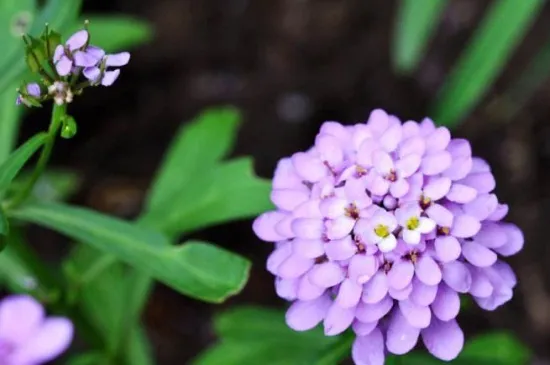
pixel 27 337
pixel 77 55
pixel 380 226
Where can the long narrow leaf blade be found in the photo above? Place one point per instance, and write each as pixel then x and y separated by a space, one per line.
pixel 415 23
pixel 15 162
pixel 9 122
pixel 495 40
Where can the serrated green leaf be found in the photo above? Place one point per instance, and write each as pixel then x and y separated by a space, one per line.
pixel 11 167
pixel 197 269
pixel 494 41
pixel 115 33
pixel 197 147
pixel 415 22
pixel 227 192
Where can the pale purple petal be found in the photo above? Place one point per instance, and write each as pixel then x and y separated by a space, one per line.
pixel 110 77
pixel 77 40
pixel 20 316
pixel 478 254
pixel 363 329
pixel 390 138
pixel 383 162
pixel 460 193
pixel 340 249
pixel 465 226
pixel 326 274
pixel 400 274
pixel 438 140
pixel 51 339
pixel 401 294
pixel 410 129
pixel 33 89
pixel 92 73
pixel 362 268
pixel 441 215
pixel 459 169
pixel 308 228
pixel 436 163
pixel 294 266
pixel 264 226
pixel 481 207
pixel 412 146
pixel 459 147
pixel 481 286
pixel 369 349
pixel 307 290
pixel 338 319
pixel 399 188
pixel 349 293
pixel 444 340
pixel 117 59
pixel 514 242
pixel 483 182
pixel 491 235
pixel 401 336
pixel 82 59
pixel 499 213
pixel 437 188
pixel 446 304
pixel 428 271
pixel 378 121
pixel 288 199
pixel 96 53
pixel 309 168
pixel 427 126
pixel 365 152
pixel 308 248
pixel 303 316
pixel 64 66
pixel 278 256
pixel 423 294
pixel 333 207
pixel 457 276
pixel 376 288
pixel 373 312
pixel 447 248
pixel 339 228
pixel 408 165
pixel 387 244
pixel 59 51
pixel 287 288
pixel 379 185
pixel 418 316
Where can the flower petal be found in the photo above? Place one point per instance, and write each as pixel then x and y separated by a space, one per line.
pixel 444 340
pixel 515 240
pixel 303 316
pixel 465 226
pixel 418 316
pixel 446 304
pixel 288 199
pixel 459 169
pixel 373 312
pixel 362 328
pixel 349 293
pixel 369 349
pixel 59 51
pixel 436 163
pixel 441 215
pixel 338 319
pixel 383 162
pixel 308 248
pixel 412 146
pixel 342 249
pixel 117 59
pixel 278 256
pixel 339 228
pixel 483 182
pixel 437 188
pixel 264 226
pixel 423 294
pixel 401 336
pixel 481 286
pixel 426 225
pixel 387 244
pixel 438 140
pixel 294 266
pixel 391 137
pixel 428 271
pixel 457 276
pixel 77 40
pixel 64 66
pixel 92 73
pixel 447 248
pixel 375 289
pixel 287 288
pixel 307 290
pixel 408 165
pixel 362 268
pixel 308 228
pixel 400 294
pixel 51 339
pixel 110 77
pixel 326 274
pixel 460 193
pixel 400 274
pixel 399 188
pixel 20 316
pixel 378 121
pixel 82 59
pixel 478 255
pixel 482 206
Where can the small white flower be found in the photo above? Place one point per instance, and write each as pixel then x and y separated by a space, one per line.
pixel 414 225
pixel 380 231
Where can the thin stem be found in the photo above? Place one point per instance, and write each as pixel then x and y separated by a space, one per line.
pixel 58 113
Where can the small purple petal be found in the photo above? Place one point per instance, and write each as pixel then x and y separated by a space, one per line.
pixel 514 242
pixel 339 228
pixel 441 215
pixel 438 140
pixel 465 226
pixel 447 248
pixel 326 274
pixel 483 182
pixel 375 289
pixel 20 316
pixel 481 286
pixel 308 248
pixel 378 121
pixel 309 168
pixel 437 188
pixel 349 293
pixel 460 193
pixel 363 329
pixel 478 255
pixel 64 66
pixel 340 249
pixel 373 312
pixel 338 319
pixel 414 145
pixel 59 51
pixel 369 349
pixel 77 40
pixel 444 340
pixel 303 316
pixel 418 316
pixel 481 207
pixel 82 59
pixel 92 73
pixel 294 266
pixel 400 274
pixel 288 199
pixel 436 163
pixel 408 165
pixel 117 59
pixel 278 256
pixel 401 336
pixel 383 162
pixel 423 294
pixel 459 169
pixel 457 276
pixel 110 77
pixel 308 228
pixel 287 288
pixel 400 294
pixel 264 226
pixel 446 304
pixel 390 138
pixel 307 290
pixel 428 271
pixel 362 268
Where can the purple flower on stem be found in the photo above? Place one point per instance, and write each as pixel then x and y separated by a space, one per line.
pixel 27 337
pixel 76 53
pixel 106 78
pixel 380 227
pixel 33 90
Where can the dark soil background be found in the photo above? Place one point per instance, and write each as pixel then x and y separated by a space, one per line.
pixel 290 65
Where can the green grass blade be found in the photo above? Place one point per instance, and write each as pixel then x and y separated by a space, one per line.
pixel 415 22
pixel 494 41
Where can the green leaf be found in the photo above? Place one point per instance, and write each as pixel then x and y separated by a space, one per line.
pixel 139 350
pixel 197 147
pixel 254 335
pixel 4 226
pixel 9 122
pixel 16 18
pixel 226 192
pixel 337 352
pixel 88 358
pixel 11 167
pixel 494 41
pixel 415 22
pixel 197 269
pixel 115 33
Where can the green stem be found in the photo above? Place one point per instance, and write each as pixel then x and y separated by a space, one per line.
pixel 58 113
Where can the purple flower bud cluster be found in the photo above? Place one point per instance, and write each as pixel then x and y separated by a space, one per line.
pixel 379 227
pixel 77 55
pixel 27 336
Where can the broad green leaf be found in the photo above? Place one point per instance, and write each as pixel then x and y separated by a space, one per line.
pixel 139 351
pixel 115 33
pixel 415 23
pixel 11 167
pixel 226 192
pixel 494 41
pixel 197 147
pixel 197 269
pixel 59 14
pixel 9 121
pixel 254 335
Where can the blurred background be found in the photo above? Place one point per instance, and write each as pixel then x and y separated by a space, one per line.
pixel 290 65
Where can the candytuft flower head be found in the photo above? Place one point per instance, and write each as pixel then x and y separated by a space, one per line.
pixel 27 337
pixel 61 66
pixel 379 227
